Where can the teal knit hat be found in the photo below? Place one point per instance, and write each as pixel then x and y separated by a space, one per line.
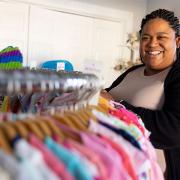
pixel 11 58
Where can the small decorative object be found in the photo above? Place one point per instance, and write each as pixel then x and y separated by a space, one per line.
pixel 123 65
pixel 132 44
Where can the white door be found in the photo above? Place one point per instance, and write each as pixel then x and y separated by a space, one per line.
pixel 107 40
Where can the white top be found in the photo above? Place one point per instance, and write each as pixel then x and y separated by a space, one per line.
pixel 140 90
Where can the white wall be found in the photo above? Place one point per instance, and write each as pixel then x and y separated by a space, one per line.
pixel 103 8
pixel 137 7
pixel 82 8
pixel 79 32
pixel 173 5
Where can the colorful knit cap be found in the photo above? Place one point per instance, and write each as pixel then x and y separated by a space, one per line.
pixel 11 58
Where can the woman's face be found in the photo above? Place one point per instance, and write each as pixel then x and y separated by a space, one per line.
pixel 158 45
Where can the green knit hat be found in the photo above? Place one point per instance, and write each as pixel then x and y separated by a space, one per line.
pixel 11 58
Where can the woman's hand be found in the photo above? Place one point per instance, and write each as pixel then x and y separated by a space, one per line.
pixel 106 95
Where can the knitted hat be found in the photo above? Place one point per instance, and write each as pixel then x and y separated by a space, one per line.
pixel 11 58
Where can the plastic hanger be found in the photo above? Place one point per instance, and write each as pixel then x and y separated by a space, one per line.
pixel 21 129
pixel 79 117
pixel 99 108
pixel 10 134
pixel 49 121
pixel 34 128
pixel 70 132
pixel 63 119
pixel 54 128
pixel 43 126
pixel 4 144
pixel 89 114
pixel 76 118
pixel 9 131
pixel 82 116
pixel 86 114
pixel 76 121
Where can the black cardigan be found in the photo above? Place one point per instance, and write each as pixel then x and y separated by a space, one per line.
pixel 164 124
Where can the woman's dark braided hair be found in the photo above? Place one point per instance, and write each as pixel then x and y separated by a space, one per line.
pixel 165 15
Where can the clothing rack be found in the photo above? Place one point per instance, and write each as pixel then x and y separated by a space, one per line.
pixel 110 140
pixel 15 81
pixel 25 81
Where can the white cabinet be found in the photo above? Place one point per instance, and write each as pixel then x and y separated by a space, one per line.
pixel 79 39
pixel 56 35
pixel 14 26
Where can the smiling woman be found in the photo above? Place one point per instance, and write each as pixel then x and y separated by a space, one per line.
pixel 158 45
pixel 152 90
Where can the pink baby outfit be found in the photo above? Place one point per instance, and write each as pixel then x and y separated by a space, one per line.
pixel 50 159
